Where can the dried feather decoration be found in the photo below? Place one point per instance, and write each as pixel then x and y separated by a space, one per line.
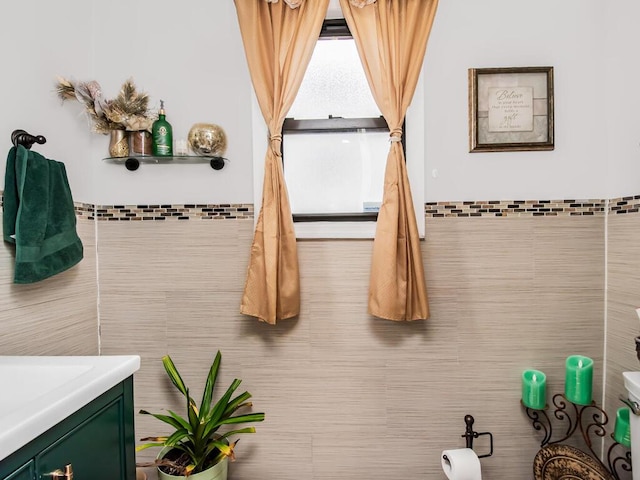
pixel 128 111
pixel 88 94
pixel 130 108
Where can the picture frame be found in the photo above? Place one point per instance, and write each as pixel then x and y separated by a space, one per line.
pixel 511 109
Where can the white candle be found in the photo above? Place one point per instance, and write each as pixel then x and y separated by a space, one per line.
pixel 181 147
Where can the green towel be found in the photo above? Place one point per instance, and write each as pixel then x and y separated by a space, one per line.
pixel 38 216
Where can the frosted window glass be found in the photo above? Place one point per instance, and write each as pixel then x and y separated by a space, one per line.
pixel 335 172
pixel 334 84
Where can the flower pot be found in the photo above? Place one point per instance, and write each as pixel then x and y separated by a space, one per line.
pixel 217 472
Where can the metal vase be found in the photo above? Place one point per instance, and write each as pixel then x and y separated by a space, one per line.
pixel 118 144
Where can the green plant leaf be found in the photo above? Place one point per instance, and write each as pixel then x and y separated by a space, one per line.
pixel 207 395
pixel 222 404
pixel 164 418
pixel 238 403
pixel 197 434
pixel 180 420
pixel 192 412
pixel 226 450
pixel 249 417
pixel 218 413
pixel 198 437
pixel 239 431
pixel 186 448
pixel 176 437
pixel 213 426
pixel 174 375
pixel 148 445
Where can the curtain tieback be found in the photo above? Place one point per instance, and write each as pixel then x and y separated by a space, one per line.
pixel 275 141
pixel 395 135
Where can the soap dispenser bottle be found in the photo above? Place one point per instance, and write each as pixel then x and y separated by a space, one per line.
pixel 162 134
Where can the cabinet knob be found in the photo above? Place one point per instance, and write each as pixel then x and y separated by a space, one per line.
pixel 58 474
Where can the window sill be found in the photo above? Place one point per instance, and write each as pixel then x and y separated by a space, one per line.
pixel 335 230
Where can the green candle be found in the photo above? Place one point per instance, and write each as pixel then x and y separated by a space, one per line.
pixel 622 432
pixel 534 389
pixel 579 380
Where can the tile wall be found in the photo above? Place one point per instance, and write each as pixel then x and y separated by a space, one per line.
pixel 623 295
pixel 348 395
pixel 57 316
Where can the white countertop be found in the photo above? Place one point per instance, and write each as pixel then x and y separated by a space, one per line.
pixel 36 393
pixel 632 384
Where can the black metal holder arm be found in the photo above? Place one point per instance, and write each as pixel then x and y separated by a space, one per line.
pixel 20 137
pixel 469 435
pixel 132 163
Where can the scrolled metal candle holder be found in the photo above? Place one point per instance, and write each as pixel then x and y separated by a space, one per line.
pixel 589 419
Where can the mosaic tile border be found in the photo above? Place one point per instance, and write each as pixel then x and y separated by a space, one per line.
pixel 84 210
pixel 474 208
pixel 471 208
pixel 515 208
pixel 164 212
pixel 624 205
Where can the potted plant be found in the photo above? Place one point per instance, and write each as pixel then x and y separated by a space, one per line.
pixel 197 448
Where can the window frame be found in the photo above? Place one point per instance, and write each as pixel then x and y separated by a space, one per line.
pixel 333 29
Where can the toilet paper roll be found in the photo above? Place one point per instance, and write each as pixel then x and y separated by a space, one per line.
pixel 461 464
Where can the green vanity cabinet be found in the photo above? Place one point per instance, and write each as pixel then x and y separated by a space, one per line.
pixel 26 472
pixel 97 441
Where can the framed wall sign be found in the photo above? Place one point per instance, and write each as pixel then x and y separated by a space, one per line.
pixel 510 109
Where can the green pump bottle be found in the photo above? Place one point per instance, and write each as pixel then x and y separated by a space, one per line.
pixel 162 134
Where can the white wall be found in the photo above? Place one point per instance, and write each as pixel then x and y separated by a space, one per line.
pixel 188 54
pixel 39 40
pixel 620 96
pixel 191 55
pixel 498 33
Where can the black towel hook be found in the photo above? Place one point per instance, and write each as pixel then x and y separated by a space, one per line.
pixel 20 137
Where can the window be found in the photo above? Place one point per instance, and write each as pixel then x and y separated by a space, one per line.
pixel 335 141
pixel 328 221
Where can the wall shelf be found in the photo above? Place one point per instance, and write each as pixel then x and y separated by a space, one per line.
pixel 132 162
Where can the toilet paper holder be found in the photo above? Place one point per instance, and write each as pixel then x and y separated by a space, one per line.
pixel 469 435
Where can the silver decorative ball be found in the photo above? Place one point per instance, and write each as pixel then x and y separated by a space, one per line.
pixel 207 139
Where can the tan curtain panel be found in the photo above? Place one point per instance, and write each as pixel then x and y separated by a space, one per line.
pixel 391 36
pixel 279 38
